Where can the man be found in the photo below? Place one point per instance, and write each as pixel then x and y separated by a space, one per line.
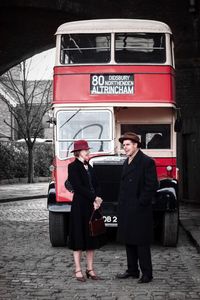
pixel 135 221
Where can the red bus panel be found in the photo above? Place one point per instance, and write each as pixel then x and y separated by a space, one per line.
pixel 61 173
pixel 151 84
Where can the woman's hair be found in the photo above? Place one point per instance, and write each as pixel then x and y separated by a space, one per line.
pixel 77 153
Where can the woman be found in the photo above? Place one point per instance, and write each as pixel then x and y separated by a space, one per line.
pixel 86 198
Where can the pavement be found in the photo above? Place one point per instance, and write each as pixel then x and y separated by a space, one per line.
pixel 189 213
pixel 190 221
pixel 23 191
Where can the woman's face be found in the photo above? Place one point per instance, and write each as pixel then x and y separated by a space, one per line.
pixel 84 154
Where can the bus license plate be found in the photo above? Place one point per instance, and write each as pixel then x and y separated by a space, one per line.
pixel 110 219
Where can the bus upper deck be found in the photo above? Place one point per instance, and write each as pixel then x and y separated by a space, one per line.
pixel 114 41
pixel 118 60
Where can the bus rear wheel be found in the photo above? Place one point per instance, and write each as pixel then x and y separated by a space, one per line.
pixel 170 229
pixel 58 229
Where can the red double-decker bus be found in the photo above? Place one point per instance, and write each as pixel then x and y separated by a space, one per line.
pixel 112 76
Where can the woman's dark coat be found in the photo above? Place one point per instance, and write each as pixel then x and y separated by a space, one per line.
pixel 82 206
pixel 138 186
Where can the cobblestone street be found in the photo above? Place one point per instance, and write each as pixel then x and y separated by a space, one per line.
pixel 31 269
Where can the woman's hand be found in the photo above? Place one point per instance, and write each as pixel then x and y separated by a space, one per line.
pixel 96 205
pixel 98 200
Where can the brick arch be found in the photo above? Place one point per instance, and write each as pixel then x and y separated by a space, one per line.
pixel 28 27
pixel 26 32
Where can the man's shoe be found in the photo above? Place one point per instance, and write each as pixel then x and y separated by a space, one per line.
pixel 126 275
pixel 145 279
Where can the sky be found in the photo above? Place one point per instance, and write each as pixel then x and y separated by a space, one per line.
pixel 41 65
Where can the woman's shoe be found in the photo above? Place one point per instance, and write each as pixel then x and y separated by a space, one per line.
pixel 80 278
pixel 94 277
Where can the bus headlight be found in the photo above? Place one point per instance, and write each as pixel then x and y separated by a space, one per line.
pixel 169 168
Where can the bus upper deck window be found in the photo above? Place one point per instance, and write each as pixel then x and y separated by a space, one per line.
pixel 140 48
pixel 85 48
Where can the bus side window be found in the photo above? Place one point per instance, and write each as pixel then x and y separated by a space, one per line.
pixel 156 142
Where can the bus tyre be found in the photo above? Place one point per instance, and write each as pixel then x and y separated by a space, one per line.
pixel 170 229
pixel 58 229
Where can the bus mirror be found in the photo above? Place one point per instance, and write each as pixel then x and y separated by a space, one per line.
pixel 47 121
pixel 178 125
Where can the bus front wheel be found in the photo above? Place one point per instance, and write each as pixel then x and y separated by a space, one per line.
pixel 58 229
pixel 170 229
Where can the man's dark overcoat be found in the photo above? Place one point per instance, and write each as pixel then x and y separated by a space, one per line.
pixel 82 206
pixel 138 186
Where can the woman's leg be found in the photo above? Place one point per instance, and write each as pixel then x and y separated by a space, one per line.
pixel 90 260
pixel 77 261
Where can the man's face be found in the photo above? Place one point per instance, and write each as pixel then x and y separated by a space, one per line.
pixel 130 147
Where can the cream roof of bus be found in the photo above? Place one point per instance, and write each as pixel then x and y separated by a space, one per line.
pixel 113 25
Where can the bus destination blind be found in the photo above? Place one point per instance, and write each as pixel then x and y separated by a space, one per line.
pixel 112 84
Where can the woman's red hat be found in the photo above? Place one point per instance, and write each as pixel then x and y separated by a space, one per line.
pixel 80 145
